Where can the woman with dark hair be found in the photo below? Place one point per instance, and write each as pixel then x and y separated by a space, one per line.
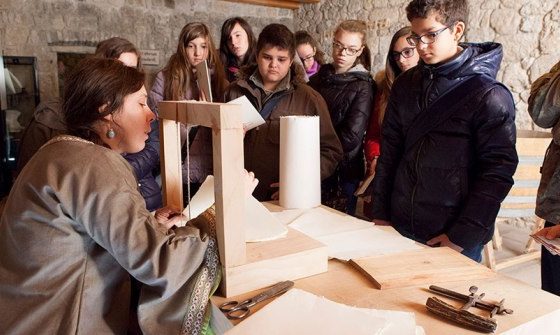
pixel 348 88
pixel 48 122
pixel 309 52
pixel 121 49
pixel 275 86
pixel 400 57
pixel 75 226
pixel 237 46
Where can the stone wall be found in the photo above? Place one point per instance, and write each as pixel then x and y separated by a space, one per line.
pixel 43 28
pixel 529 31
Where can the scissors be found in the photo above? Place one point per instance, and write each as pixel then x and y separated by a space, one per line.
pixel 240 310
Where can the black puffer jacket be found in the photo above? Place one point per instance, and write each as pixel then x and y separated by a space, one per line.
pixel 454 177
pixel 144 163
pixel 349 97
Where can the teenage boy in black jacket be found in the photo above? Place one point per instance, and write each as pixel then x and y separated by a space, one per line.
pixel 448 151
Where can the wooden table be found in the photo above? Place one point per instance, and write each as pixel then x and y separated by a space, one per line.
pixel 534 309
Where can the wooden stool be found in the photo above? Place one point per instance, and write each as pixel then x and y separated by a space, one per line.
pixel 520 202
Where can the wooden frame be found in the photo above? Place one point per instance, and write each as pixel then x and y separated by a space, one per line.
pixel 290 4
pixel 245 267
pixel 521 200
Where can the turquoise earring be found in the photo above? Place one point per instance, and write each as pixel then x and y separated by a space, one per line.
pixel 111 133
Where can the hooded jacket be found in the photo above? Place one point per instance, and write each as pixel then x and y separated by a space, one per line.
pixel 349 97
pixel 262 144
pixel 453 179
pixel 544 108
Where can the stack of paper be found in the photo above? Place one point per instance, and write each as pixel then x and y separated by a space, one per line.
pixel 300 312
pixel 551 245
pixel 345 236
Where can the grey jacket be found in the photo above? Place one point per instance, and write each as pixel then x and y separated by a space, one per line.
pixel 73 229
pixel 544 108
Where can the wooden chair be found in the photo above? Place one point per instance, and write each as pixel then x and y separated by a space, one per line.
pixel 520 202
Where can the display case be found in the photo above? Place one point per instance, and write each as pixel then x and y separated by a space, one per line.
pixel 19 95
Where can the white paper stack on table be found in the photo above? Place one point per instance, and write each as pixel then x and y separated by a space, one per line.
pixel 300 312
pixel 345 236
pixel 551 245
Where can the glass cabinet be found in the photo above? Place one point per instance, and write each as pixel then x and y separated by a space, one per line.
pixel 19 95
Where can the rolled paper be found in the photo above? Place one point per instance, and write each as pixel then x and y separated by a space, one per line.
pixel 300 162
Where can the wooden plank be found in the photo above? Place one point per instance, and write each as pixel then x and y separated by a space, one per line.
pixel 418 267
pixel 344 284
pixel 511 261
pixel 527 172
pixel 229 193
pixel 293 257
pixel 201 113
pixel 289 4
pixel 532 146
pixel 170 160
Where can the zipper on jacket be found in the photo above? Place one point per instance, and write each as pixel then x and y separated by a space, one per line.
pixel 416 169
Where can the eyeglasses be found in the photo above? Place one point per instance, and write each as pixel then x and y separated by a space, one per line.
pixel 350 51
pixel 406 53
pixel 427 38
pixel 308 58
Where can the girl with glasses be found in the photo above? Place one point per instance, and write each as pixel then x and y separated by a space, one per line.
pixel 347 87
pixel 400 57
pixel 309 53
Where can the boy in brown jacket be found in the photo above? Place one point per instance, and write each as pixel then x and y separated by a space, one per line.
pixel 275 86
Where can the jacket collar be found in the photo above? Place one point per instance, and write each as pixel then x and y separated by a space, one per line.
pixel 284 84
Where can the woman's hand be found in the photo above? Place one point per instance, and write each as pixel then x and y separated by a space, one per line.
pixel 549 232
pixel 168 217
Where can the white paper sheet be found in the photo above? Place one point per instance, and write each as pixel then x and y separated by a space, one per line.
pixel 300 162
pixel 298 312
pixel 345 236
pixel 364 243
pixel 398 323
pixel 320 221
pixel 251 117
pixel 260 225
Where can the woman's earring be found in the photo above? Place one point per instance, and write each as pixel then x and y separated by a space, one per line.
pixel 110 133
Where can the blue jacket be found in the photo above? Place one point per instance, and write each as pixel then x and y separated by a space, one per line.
pixel 454 177
pixel 145 163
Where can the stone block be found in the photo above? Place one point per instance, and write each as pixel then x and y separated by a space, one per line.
pixel 522 46
pixel 539 8
pixel 505 21
pixel 541 66
pixel 515 77
pixel 531 24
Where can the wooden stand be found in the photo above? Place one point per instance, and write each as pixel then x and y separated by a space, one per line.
pixel 245 267
pixel 521 200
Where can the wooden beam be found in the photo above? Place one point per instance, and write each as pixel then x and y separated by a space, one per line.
pixel 170 161
pixel 289 4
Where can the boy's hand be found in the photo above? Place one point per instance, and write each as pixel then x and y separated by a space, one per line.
pixel 443 241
